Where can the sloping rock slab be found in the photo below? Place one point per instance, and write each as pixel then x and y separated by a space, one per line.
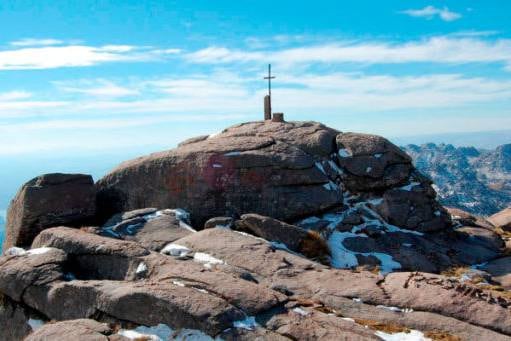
pixel 436 293
pixel 502 219
pixel 20 272
pixel 313 325
pixel 95 257
pixel 73 330
pixel 500 270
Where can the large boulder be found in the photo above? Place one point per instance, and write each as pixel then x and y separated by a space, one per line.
pixel 46 201
pixel 281 170
pixel 502 219
pixel 371 162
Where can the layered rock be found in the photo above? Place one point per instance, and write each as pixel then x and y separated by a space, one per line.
pixel 236 286
pixel 282 205
pixel 282 170
pixel 46 201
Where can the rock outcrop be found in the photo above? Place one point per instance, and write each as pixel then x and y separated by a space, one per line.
pixel 233 284
pixel 281 170
pixel 268 231
pixel 49 200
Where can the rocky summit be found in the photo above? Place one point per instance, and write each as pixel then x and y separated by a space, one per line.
pixel 265 231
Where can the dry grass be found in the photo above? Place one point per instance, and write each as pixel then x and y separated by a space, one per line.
pixel 458 271
pixel 375 269
pixel 436 335
pixel 389 328
pixel 313 246
pixel 497 290
pixel 455 271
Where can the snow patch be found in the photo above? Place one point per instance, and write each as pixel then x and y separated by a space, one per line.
pixel 395 309
pixel 344 258
pixel 356 299
pixel 175 250
pixel 320 167
pixel 413 335
pixel 249 323
pixel 179 284
pixel 331 186
pixel 206 259
pixel 409 187
pixel 375 202
pixel 14 251
pixel 38 251
pixel 378 155
pixel 35 323
pixel 234 153
pixel 334 166
pixel 347 319
pixel 141 268
pixel 344 153
pixel 217 165
pixel 369 169
pixel 301 311
pixel 160 332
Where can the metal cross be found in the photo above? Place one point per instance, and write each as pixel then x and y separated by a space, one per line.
pixel 269 78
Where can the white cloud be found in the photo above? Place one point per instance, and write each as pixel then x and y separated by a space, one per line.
pixel 440 49
pixel 226 94
pixel 97 88
pixel 429 12
pixel 36 42
pixel 14 95
pixel 50 57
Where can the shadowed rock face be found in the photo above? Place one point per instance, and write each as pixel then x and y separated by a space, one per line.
pixel 282 170
pixel 46 201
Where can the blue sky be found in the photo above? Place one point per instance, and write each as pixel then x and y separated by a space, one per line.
pixel 87 77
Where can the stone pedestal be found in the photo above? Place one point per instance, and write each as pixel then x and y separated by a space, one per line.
pixel 278 117
pixel 267 108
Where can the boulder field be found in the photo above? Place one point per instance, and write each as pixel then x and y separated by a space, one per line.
pixel 265 231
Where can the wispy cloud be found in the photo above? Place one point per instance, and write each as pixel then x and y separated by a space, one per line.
pixel 50 57
pixel 430 12
pixel 440 49
pixel 97 88
pixel 14 95
pixel 36 42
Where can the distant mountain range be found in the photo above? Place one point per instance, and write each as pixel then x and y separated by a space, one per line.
pixel 475 180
